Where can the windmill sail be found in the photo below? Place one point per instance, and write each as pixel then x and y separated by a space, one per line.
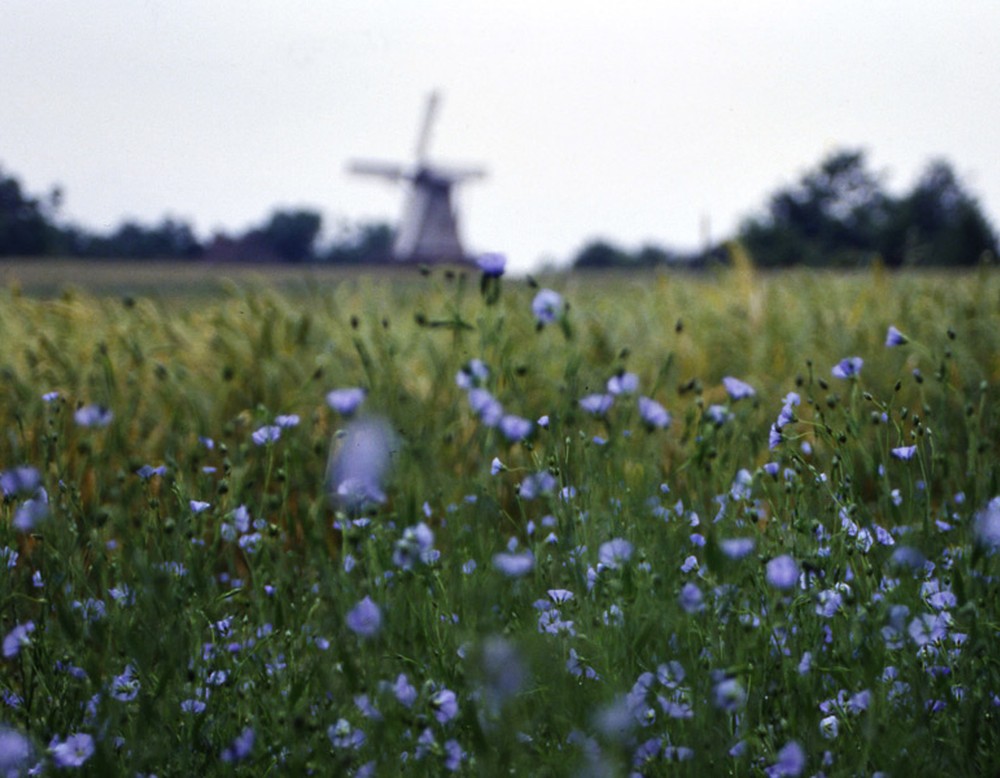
pixel 428 231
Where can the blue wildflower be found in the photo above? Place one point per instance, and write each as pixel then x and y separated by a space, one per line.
pixel 492 264
pixel 847 367
pixel 93 416
pixel 597 404
pixel 514 565
pixel 625 383
pixel 365 618
pixel 20 480
pixel 514 428
pixel 445 705
pixel 904 452
pixel 240 748
pixel 17 639
pixel 782 572
pixel 345 401
pixel 269 433
pixel 361 462
pixel 737 389
pixel 614 553
pixel 653 414
pixel 547 306
pixel 791 761
pixel 472 374
pixel 894 337
pixel 74 751
pixel 485 406
pixel 15 752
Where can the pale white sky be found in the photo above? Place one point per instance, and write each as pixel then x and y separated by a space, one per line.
pixel 633 121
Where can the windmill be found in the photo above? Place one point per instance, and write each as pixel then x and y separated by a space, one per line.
pixel 428 231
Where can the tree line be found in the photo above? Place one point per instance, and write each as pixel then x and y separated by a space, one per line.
pixel 30 227
pixel 840 214
pixel 837 214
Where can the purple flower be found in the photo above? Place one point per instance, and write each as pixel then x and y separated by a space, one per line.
pixel 737 548
pixel 343 735
pixel 345 401
pixel 729 695
pixel 20 480
pixel 894 337
pixel 653 414
pixel 472 374
pixel 514 565
pixel 453 755
pixel 406 695
pixel 737 389
pixel 197 506
pixel 791 761
pixel 240 748
pixel 847 367
pixel 496 466
pixel 361 462
pixel 125 687
pixel 626 383
pixel 485 406
pixel 987 527
pixel 365 618
pixel 691 598
pixel 73 751
pixel 17 639
pixel 93 416
pixel 904 452
pixel 492 264
pixel 32 511
pixel 614 553
pixel 597 404
pixel 514 428
pixel 148 471
pixel 15 752
pixel 266 434
pixel 288 420
pixel 547 306
pixel 782 572
pixel 445 705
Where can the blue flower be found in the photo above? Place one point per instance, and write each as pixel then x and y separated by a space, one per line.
pixel 345 401
pixel 847 367
pixel 148 471
pixel 93 416
pixel 626 383
pixel 904 452
pixel 287 420
pixel 125 687
pixel 614 553
pixel 361 462
pixel 782 572
pixel 73 751
pixel 485 406
pixel 894 337
pixel 737 389
pixel 597 404
pixel 729 695
pixel 17 639
pixel 240 748
pixel 653 414
pixel 405 693
pixel 691 598
pixel 445 705
pixel 492 264
pixel 15 752
pixel 20 480
pixel 737 548
pixel 472 374
pixel 266 434
pixel 514 428
pixel 547 306
pixel 365 618
pixel 791 762
pixel 987 527
pixel 514 565
pixel 198 506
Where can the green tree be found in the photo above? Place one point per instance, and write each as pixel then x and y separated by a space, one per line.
pixel 25 228
pixel 938 223
pixel 291 235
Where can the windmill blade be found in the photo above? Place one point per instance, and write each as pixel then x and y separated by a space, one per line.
pixel 456 175
pixel 424 138
pixel 387 170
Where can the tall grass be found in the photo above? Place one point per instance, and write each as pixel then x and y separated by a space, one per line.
pixel 604 596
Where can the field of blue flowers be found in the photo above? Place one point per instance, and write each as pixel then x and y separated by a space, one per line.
pixel 598 525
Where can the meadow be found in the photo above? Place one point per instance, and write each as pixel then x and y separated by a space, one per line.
pixel 455 523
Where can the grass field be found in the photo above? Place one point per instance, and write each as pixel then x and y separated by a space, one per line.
pixel 727 524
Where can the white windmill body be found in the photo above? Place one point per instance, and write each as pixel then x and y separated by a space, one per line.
pixel 428 231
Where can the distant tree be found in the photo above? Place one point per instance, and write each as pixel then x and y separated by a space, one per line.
pixel 938 223
pixel 25 226
pixel 600 254
pixel 366 243
pixel 169 239
pixel 832 215
pixel 291 235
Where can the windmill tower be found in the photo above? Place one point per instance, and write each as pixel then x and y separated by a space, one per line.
pixel 428 231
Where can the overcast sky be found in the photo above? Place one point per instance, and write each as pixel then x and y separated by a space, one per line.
pixel 634 121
